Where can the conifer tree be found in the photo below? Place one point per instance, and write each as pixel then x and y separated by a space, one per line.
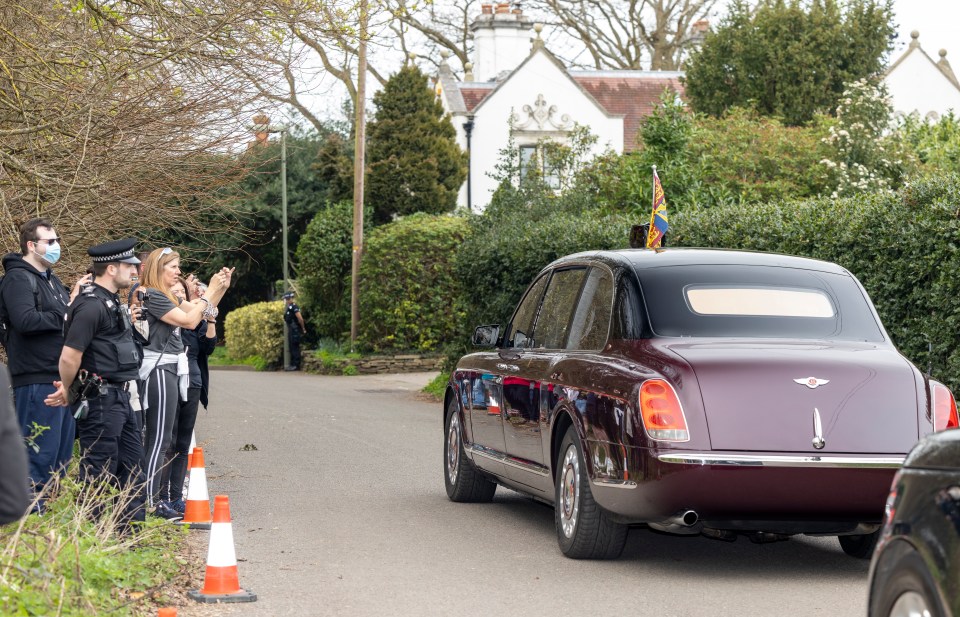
pixel 413 161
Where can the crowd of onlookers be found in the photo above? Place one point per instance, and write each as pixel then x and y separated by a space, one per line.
pixel 118 362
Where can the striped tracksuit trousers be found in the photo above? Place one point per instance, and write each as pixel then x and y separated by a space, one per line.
pixel 162 397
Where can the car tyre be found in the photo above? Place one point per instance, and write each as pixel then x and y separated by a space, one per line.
pixel 584 530
pixel 463 482
pixel 860 546
pixel 902 587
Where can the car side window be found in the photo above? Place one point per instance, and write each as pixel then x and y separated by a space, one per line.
pixel 553 323
pixel 521 328
pixel 591 322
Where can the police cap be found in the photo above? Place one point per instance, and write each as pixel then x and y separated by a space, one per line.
pixel 115 251
pixel 287 295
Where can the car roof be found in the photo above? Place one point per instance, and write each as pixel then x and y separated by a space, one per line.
pixel 648 258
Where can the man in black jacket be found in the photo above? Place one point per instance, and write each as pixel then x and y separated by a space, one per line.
pixel 36 302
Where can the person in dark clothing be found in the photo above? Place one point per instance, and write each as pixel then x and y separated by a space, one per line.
pixel 98 347
pixel 295 329
pixel 14 496
pixel 198 343
pixel 36 302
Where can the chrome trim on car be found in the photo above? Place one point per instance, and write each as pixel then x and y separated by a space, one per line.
pixel 774 460
pixel 608 483
pixel 500 457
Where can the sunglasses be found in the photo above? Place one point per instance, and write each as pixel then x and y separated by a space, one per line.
pixel 166 251
pixel 49 241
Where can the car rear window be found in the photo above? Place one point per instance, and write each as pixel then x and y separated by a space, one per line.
pixel 756 301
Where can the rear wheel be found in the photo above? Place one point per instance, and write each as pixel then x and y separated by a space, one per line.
pixel 584 531
pixel 463 482
pixel 859 546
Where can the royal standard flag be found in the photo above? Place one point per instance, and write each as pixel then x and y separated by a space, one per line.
pixel 658 218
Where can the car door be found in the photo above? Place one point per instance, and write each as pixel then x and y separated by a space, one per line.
pixel 524 414
pixel 486 408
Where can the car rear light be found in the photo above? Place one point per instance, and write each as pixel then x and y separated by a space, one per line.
pixel 943 407
pixel 890 509
pixel 661 411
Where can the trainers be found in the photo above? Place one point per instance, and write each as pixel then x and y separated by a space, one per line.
pixel 163 510
pixel 179 505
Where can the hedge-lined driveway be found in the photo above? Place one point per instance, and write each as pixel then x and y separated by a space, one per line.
pixel 341 510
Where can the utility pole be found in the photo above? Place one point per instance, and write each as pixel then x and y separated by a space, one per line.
pixel 358 173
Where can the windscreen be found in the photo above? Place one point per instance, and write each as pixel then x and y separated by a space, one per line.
pixel 756 301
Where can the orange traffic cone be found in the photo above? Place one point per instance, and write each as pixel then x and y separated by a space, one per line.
pixel 221 583
pixel 167 612
pixel 193 445
pixel 197 511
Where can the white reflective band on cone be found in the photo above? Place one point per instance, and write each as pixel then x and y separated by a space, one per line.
pixel 198 485
pixel 221 553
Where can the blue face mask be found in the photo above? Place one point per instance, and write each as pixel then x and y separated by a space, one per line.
pixel 52 255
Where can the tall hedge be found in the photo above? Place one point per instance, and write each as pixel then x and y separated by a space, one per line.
pixel 324 259
pixel 407 287
pixel 256 330
pixel 903 247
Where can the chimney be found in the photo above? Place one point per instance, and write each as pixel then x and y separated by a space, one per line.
pixel 261 135
pixel 501 40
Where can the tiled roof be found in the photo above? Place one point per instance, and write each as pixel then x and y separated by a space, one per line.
pixel 630 96
pixel 472 95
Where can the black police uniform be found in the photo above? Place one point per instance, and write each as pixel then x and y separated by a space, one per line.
pixel 293 333
pixel 110 432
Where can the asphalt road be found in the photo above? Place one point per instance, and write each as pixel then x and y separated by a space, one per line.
pixel 341 510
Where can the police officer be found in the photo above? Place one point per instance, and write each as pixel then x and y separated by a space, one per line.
pixel 295 329
pixel 99 357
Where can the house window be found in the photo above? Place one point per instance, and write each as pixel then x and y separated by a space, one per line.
pixel 536 157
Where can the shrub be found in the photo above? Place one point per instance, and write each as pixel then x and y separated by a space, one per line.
pixel 407 284
pixel 256 330
pixel 902 247
pixel 323 271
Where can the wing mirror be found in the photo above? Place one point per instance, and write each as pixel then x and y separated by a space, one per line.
pixel 486 336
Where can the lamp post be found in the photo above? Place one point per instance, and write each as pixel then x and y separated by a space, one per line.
pixel 262 128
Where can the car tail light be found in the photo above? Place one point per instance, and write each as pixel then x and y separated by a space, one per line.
pixel 943 407
pixel 890 509
pixel 661 411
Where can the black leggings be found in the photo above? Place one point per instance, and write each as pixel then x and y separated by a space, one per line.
pixel 163 397
pixel 175 469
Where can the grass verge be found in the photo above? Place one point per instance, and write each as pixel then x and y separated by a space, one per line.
pixel 221 357
pixel 437 386
pixel 72 561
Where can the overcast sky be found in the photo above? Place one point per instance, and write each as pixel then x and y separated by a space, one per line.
pixel 938 22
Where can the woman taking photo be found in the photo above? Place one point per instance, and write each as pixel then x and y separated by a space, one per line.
pixel 164 359
pixel 198 344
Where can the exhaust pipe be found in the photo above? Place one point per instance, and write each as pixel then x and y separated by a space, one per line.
pixel 682 522
pixel 687 518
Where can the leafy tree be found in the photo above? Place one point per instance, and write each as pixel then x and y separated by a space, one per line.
pixel 414 162
pixel 935 144
pixel 866 156
pixel 789 58
pixel 704 161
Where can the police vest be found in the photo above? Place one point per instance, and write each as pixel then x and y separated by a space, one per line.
pixel 112 353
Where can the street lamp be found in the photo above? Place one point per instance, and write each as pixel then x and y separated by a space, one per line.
pixel 262 127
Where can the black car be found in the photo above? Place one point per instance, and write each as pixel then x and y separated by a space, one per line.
pixel 916 566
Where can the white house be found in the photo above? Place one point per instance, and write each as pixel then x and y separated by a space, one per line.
pixel 545 100
pixel 918 84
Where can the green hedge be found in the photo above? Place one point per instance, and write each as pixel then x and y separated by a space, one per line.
pixel 256 330
pixel 902 247
pixel 407 287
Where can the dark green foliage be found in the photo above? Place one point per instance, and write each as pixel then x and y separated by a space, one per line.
pixel 902 247
pixel 407 286
pixel 936 144
pixel 789 58
pixel 413 161
pixel 519 234
pixel 324 261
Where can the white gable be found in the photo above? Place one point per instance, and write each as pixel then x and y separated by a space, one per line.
pixel 917 84
pixel 546 103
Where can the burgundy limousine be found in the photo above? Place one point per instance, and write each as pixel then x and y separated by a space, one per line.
pixel 694 391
